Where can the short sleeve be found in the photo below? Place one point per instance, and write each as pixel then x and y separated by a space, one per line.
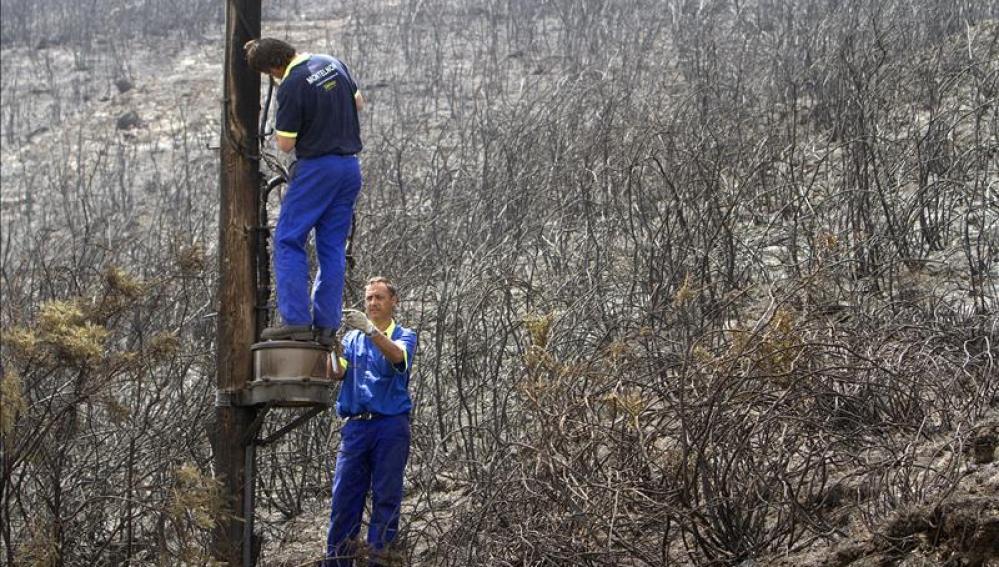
pixel 349 77
pixel 288 119
pixel 407 342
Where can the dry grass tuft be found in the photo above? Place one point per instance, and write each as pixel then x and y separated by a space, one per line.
pixel 686 292
pixel 539 328
pixel 41 548
pixel 190 258
pixel 71 339
pixel 11 401
pixel 123 285
pixel 196 496
pixel 56 316
pixel 163 345
pixel 23 343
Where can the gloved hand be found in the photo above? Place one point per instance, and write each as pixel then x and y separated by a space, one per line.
pixel 358 320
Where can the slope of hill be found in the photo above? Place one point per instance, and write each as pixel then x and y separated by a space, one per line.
pixel 697 283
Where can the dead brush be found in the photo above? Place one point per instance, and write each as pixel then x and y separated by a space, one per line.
pixel 191 259
pixel 12 403
pixel 41 547
pixel 120 291
pixel 68 336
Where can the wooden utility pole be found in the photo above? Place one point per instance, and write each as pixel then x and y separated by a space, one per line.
pixel 239 183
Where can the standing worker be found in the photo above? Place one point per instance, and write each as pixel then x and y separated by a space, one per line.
pixel 374 442
pixel 318 102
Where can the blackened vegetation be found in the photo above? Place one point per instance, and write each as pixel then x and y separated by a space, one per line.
pixel 696 282
pixel 97 23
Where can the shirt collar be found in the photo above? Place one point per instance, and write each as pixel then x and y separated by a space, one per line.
pixel 391 329
pixel 301 57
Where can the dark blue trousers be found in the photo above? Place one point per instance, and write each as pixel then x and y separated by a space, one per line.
pixel 372 457
pixel 320 196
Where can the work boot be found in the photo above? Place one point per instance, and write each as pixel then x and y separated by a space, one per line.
pixel 326 337
pixel 287 333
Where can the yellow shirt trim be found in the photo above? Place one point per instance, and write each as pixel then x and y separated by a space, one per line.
pixel 301 57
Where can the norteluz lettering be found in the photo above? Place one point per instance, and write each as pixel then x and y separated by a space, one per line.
pixel 322 73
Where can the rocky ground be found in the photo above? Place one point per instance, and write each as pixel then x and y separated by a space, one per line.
pixel 958 526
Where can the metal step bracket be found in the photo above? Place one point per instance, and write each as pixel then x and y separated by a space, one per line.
pixel 288 374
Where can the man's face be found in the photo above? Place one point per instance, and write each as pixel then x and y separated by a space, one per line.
pixel 379 302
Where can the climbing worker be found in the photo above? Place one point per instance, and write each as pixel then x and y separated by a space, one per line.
pixel 374 441
pixel 318 102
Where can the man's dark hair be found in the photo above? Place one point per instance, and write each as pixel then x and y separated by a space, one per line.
pixel 267 53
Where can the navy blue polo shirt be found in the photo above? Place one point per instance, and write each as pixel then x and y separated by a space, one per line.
pixel 372 383
pixel 316 107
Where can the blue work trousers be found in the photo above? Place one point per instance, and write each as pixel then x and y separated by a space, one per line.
pixel 372 458
pixel 320 196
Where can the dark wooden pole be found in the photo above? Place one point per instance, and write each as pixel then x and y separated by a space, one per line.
pixel 239 183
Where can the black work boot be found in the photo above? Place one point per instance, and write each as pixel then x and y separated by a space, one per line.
pixel 287 333
pixel 325 337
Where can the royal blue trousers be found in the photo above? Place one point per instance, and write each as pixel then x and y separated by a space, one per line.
pixel 320 196
pixel 372 458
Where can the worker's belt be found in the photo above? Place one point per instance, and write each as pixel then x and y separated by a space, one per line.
pixel 365 416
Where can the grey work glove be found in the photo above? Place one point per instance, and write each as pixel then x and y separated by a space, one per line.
pixel 358 320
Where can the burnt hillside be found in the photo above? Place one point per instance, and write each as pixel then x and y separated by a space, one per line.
pixel 697 283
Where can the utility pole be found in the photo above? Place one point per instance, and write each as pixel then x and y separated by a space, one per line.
pixel 239 182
